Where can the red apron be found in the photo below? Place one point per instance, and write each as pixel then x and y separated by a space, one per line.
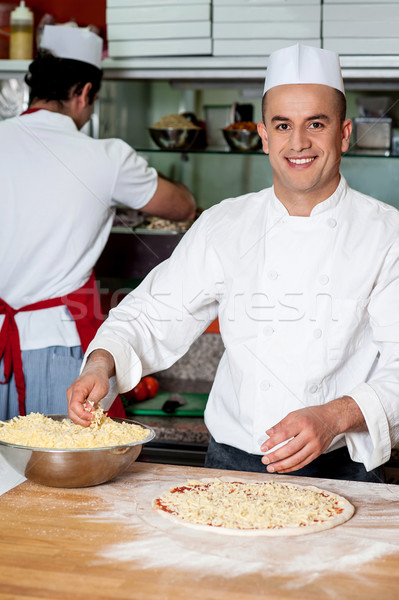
pixel 85 308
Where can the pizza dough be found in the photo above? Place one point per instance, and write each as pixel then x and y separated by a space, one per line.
pixel 226 505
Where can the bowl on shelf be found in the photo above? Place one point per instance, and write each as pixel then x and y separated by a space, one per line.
pixel 172 138
pixel 242 140
pixel 75 467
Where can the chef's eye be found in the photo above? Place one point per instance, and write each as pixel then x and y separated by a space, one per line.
pixel 316 125
pixel 283 127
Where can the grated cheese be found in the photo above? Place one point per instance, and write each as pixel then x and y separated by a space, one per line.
pixel 246 505
pixel 38 431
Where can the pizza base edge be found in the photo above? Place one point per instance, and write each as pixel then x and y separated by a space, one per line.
pixel 339 519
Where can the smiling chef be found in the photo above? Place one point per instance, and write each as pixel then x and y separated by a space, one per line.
pixel 304 277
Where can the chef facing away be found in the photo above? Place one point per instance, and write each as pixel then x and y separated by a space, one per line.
pixel 304 278
pixel 60 190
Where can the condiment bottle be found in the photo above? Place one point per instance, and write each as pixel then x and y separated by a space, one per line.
pixel 21 38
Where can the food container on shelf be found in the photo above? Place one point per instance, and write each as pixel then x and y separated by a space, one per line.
pixel 21 38
pixel 243 137
pixel 372 132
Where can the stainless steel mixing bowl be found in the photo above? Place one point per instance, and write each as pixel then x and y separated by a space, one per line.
pixel 74 468
pixel 174 139
pixel 243 140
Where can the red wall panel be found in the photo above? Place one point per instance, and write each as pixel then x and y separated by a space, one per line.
pixel 86 12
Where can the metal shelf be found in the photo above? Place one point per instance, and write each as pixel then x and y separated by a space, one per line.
pixel 227 151
pixel 232 70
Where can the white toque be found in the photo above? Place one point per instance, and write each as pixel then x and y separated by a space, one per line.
pixel 304 64
pixel 73 42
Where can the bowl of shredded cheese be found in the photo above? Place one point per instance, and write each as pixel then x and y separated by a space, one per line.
pixel 243 136
pixel 53 451
pixel 174 132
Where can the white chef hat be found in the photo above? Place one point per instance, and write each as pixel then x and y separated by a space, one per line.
pixel 303 64
pixel 73 42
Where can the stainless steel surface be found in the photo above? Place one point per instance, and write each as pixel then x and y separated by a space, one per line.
pixel 373 132
pixel 174 139
pixel 74 468
pixel 243 140
pixel 380 71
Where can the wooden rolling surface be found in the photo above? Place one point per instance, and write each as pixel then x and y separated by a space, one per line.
pixel 106 542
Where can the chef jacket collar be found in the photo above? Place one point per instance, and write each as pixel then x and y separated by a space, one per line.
pixel 52 118
pixel 279 210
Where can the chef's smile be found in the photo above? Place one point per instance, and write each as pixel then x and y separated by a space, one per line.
pixel 301 163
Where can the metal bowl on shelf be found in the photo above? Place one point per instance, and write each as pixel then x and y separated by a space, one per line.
pixel 76 467
pixel 243 140
pixel 171 138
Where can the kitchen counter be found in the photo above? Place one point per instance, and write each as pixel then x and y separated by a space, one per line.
pixel 106 542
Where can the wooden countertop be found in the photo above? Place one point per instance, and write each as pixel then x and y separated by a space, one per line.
pixel 106 542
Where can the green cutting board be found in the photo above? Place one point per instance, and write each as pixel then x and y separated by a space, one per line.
pixel 194 406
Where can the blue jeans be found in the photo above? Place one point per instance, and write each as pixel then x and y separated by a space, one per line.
pixel 332 465
pixel 48 374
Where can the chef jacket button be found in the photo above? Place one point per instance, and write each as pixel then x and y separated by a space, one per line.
pixel 272 274
pixel 264 386
pixel 324 279
pixel 268 330
pixel 317 333
pixel 313 388
pixel 331 223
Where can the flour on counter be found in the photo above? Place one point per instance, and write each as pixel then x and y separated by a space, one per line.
pixel 158 543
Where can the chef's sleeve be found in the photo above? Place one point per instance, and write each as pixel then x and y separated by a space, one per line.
pixel 134 181
pixel 378 397
pixel 158 321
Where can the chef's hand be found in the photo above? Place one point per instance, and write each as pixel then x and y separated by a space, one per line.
pixel 312 430
pixel 90 387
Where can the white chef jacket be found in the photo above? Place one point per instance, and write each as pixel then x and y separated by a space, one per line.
pixel 308 310
pixel 59 192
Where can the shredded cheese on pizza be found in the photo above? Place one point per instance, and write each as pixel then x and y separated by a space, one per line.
pixel 38 431
pixel 245 505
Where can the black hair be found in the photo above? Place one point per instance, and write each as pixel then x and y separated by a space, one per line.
pixel 340 103
pixel 55 79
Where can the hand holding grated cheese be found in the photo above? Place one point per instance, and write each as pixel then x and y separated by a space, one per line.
pixel 38 431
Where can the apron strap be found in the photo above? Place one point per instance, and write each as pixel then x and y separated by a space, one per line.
pixel 10 349
pixel 85 307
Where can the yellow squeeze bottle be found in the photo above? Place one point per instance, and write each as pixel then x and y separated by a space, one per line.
pixel 21 38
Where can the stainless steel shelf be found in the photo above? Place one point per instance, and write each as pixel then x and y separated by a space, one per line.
pixel 363 153
pixel 232 70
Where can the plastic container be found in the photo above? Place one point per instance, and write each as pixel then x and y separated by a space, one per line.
pixel 21 38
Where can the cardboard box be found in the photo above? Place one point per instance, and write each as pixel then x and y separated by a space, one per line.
pixel 257 47
pixel 350 12
pixel 144 3
pixel 156 31
pixel 159 14
pixel 289 30
pixel 361 29
pixel 271 13
pixel 251 3
pixel 356 46
pixel 180 47
pixel 360 2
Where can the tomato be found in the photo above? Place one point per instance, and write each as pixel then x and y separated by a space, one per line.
pixel 152 386
pixel 138 393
